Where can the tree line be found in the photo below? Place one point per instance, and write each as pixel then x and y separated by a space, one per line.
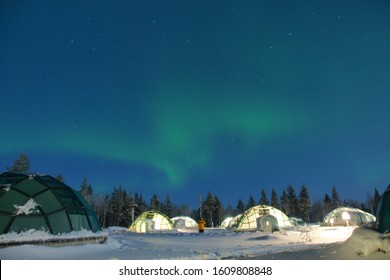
pixel 121 206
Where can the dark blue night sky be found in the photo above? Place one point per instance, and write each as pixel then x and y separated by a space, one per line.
pixel 186 97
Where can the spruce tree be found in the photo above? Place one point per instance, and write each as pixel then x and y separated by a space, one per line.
pixel 217 211
pixel 263 199
pixel 128 208
pixel 140 204
pixel 83 187
pixel 327 203
pixel 90 194
pixel 166 207
pixel 100 206
pixel 377 198
pixel 274 199
pixel 116 206
pixel 335 202
pixel 317 211
pixel 240 206
pixel 86 191
pixel 292 201
pixel 284 203
pixel 208 209
pixel 22 164
pixel 304 203
pixel 251 202
pixel 154 203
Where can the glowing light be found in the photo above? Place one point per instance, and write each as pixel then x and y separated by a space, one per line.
pixel 346 217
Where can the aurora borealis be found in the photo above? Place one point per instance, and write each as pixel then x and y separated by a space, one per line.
pixel 186 97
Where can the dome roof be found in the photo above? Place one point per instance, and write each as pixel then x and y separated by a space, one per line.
pixel 261 216
pixel 151 221
pixel 354 216
pixel 42 202
pixel 183 222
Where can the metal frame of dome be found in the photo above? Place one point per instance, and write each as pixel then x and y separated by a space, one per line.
pixel 42 202
pixel 356 217
pixel 263 218
pixel 151 221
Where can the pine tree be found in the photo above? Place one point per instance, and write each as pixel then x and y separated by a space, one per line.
pixel 377 198
pixel 120 215
pixel 274 199
pixel 141 204
pixel 60 178
pixel 335 202
pixel 116 206
pixel 208 209
pixel 128 207
pixel 217 211
pixel 263 199
pixel 251 202
pixel 86 191
pixel 100 206
pixel 372 202
pixel 154 203
pixel 90 194
pixel 167 206
pixel 284 203
pixel 22 164
pixel 317 211
pixel 292 201
pixel 240 206
pixel 327 203
pixel 84 187
pixel 184 210
pixel 304 203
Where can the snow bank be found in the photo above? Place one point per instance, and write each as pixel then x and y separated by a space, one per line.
pixel 33 236
pixel 365 241
pixel 214 244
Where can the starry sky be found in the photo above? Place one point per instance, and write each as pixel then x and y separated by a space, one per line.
pixel 185 97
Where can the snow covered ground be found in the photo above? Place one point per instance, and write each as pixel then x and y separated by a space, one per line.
pixel 301 243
